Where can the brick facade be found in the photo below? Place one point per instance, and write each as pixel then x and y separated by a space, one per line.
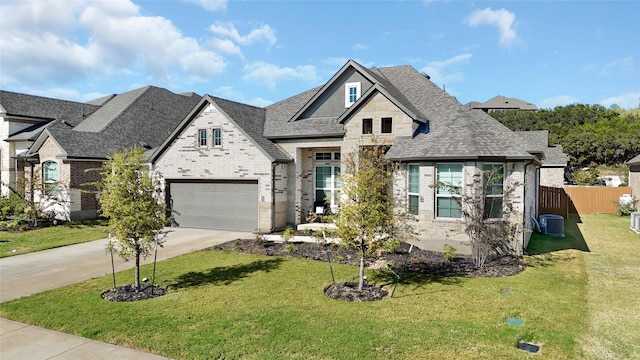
pixel 238 158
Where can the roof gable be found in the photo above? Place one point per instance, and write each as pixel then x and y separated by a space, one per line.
pixel 246 118
pixel 328 101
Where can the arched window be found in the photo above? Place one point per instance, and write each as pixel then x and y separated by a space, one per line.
pixel 50 177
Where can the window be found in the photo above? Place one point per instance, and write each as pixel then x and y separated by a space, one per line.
pixel 367 126
pixel 449 176
pixel 202 137
pixel 493 175
pixel 351 93
pixel 386 125
pixel 217 137
pixel 327 177
pixel 327 184
pixel 50 177
pixel 414 188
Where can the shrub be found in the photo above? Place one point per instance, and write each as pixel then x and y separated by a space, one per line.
pixel 287 234
pixel 626 208
pixel 289 248
pixel 449 252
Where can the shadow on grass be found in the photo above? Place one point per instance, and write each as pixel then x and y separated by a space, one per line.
pixel 543 246
pixel 414 281
pixel 225 274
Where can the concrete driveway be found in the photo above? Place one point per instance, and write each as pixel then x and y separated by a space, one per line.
pixel 28 274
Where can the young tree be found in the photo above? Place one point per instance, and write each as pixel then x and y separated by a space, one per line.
pixel 136 216
pixel 486 208
pixel 369 215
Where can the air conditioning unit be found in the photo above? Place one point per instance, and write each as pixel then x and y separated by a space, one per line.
pixel 552 225
pixel 635 221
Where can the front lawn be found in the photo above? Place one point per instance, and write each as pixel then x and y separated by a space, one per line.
pixel 16 243
pixel 230 305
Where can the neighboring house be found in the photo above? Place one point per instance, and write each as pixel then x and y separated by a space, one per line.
pixel 634 176
pixel 234 166
pixel 611 179
pixel 554 160
pixel 75 142
pixel 501 103
pixel 22 119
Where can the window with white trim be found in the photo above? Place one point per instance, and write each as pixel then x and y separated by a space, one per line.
pixel 217 137
pixel 327 178
pixel 493 181
pixel 414 188
pixel 202 137
pixel 351 93
pixel 50 177
pixel 449 178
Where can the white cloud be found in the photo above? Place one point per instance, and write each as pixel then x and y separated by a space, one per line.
pixel 226 46
pixel 560 100
pixel 621 65
pixel 262 34
pixel 502 18
pixel 269 74
pixel 61 42
pixel 627 101
pixel 446 71
pixel 210 5
pixel 359 47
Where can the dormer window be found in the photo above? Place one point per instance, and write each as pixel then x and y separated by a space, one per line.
pixel 351 93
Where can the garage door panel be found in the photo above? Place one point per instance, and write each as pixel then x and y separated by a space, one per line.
pixel 215 205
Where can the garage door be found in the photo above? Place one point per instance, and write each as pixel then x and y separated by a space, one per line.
pixel 215 205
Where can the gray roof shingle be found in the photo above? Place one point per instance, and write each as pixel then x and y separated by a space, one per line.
pixel 142 117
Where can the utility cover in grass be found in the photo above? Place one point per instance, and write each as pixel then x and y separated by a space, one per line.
pixel 515 322
pixel 532 348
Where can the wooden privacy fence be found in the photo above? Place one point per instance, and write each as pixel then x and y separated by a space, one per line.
pixel 553 201
pixel 579 199
pixel 588 199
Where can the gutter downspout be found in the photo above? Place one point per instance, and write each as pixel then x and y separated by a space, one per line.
pixel 273 196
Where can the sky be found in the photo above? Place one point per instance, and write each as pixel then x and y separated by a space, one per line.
pixel 550 53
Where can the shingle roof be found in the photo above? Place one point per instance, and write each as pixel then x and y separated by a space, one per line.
pixel 41 110
pixel 633 162
pixel 251 120
pixel 38 107
pixel 538 141
pixel 461 135
pixel 142 117
pixel 502 102
pixel 454 132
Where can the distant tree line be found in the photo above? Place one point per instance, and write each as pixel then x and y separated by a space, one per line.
pixel 589 134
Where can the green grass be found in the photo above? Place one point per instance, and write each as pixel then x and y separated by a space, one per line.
pixel 230 305
pixel 579 298
pixel 16 243
pixel 613 290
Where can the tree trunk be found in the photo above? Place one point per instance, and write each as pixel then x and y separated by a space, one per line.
pixel 361 283
pixel 137 271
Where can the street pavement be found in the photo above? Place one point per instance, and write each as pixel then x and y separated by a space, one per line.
pixel 28 274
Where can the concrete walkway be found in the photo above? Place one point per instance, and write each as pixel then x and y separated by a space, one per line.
pixel 29 274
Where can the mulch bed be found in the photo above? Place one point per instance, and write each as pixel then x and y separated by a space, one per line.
pixel 419 261
pixel 128 293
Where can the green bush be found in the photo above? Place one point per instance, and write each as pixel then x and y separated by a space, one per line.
pixel 627 208
pixel 449 252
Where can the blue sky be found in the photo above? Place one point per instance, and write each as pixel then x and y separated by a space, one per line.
pixel 549 53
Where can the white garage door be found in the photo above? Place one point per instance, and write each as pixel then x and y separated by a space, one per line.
pixel 228 205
